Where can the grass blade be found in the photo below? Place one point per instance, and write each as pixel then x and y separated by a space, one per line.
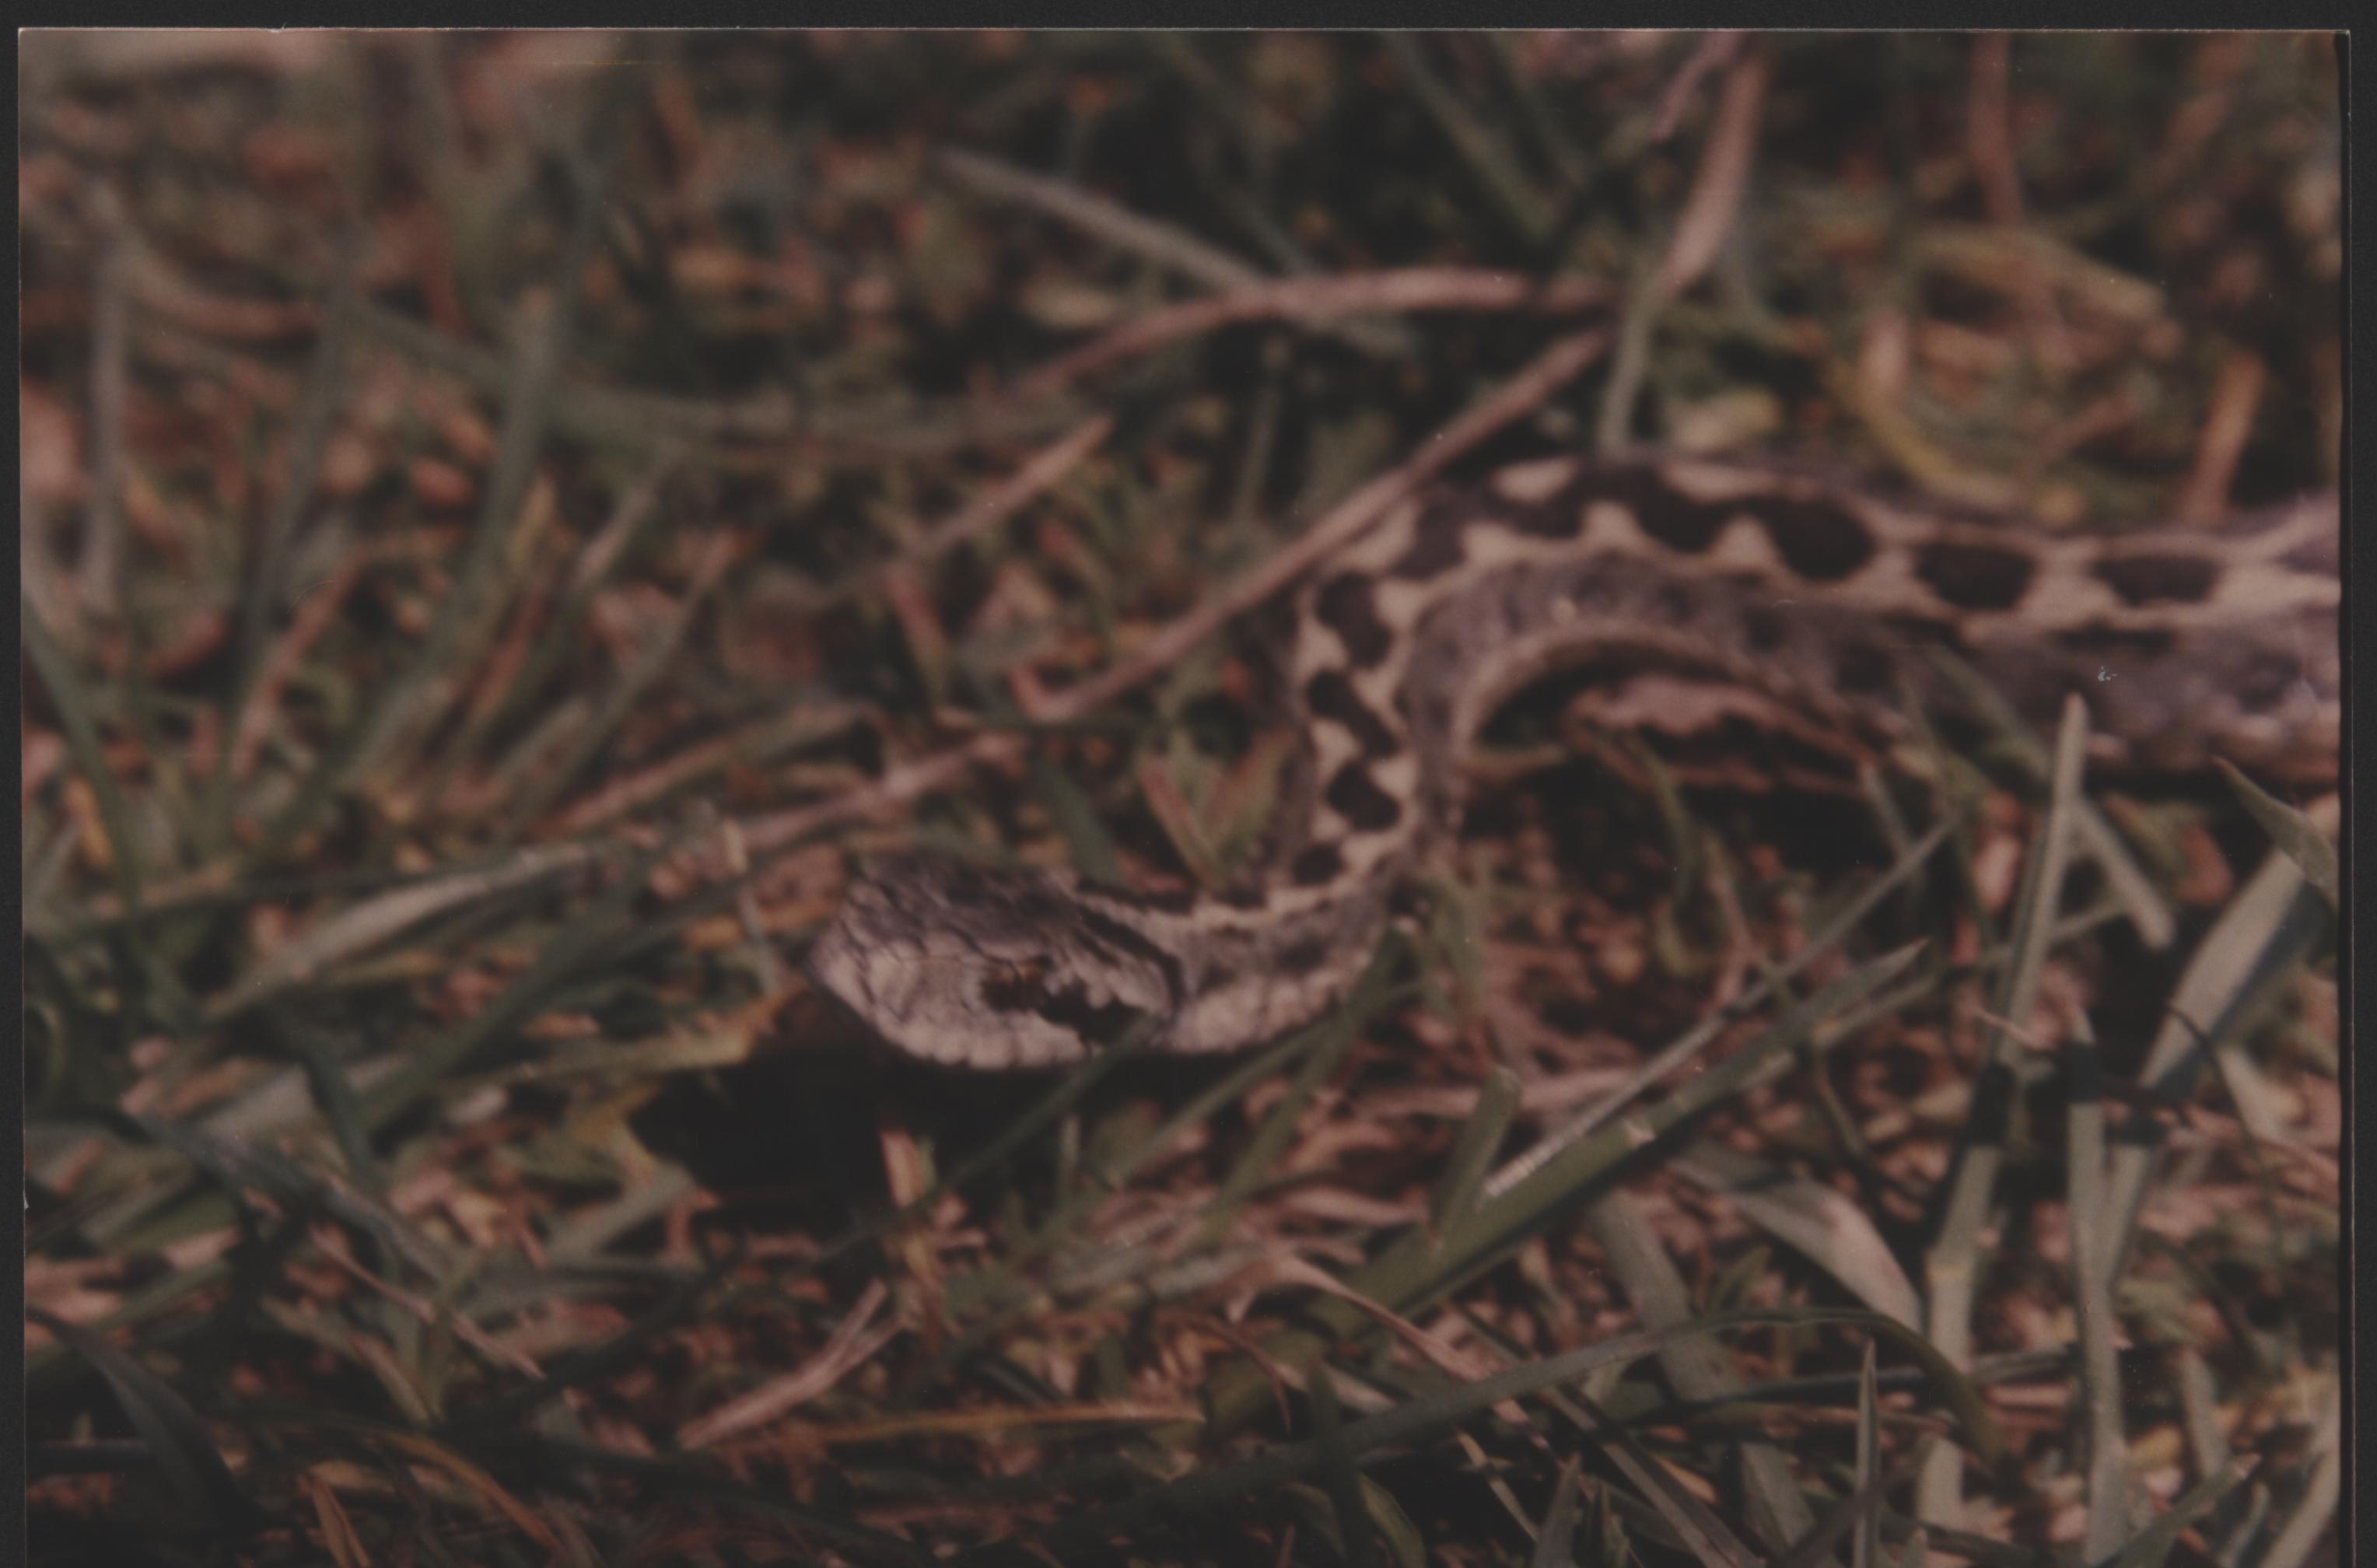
pixel 1865 1550
pixel 1421 1266
pixel 1554 1540
pixel 1813 1218
pixel 174 1436
pixel 1473 1150
pixel 1696 1369
pixel 2270 925
pixel 2314 1512
pixel 2150 1546
pixel 1951 1270
pixel 2311 850
pixel 2100 1368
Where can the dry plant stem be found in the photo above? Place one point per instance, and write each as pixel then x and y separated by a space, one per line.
pixel 1708 213
pixel 1561 363
pixel 660 645
pixel 1308 300
pixel 1005 499
pixel 1043 470
pixel 1713 51
pixel 505 696
pixel 102 566
pixel 1988 146
pixel 1522 394
pixel 1988 141
pixel 854 1340
pixel 1160 243
pixel 166 291
pixel 2227 426
pixel 639 789
pixel 1093 214
pixel 525 610
pixel 1723 176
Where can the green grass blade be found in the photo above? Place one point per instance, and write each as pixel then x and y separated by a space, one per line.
pixel 2311 850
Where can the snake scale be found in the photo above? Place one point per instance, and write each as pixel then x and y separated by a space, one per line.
pixel 1807 598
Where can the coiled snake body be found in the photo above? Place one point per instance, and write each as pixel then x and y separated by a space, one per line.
pixel 1803 596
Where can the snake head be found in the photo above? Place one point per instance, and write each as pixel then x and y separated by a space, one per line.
pixel 986 968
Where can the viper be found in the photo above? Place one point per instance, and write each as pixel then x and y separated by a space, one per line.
pixel 1809 600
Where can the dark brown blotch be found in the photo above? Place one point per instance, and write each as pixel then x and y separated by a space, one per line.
pixel 1331 696
pixel 2125 644
pixel 1119 936
pixel 1438 548
pixel 2160 579
pixel 1344 606
pixel 1662 513
pixel 1101 1024
pixel 1762 630
pixel 1975 576
pixel 1318 865
pixel 1024 987
pixel 1820 541
pixel 1301 958
pixel 1674 601
pixel 964 886
pixel 1558 516
pixel 1683 529
pixel 1358 797
pixel 1864 667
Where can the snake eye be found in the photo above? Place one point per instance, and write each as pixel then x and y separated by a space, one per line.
pixel 1017 988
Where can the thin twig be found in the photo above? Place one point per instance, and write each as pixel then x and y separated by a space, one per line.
pixel 317 610
pixel 1724 176
pixel 1988 145
pixel 1521 395
pixel 1708 214
pixel 102 566
pixel 1119 226
pixel 2227 426
pixel 778 732
pixel 1988 140
pixel 977 517
pixel 854 1340
pixel 1714 52
pixel 1310 301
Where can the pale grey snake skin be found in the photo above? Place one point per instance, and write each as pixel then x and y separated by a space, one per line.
pixel 1807 596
